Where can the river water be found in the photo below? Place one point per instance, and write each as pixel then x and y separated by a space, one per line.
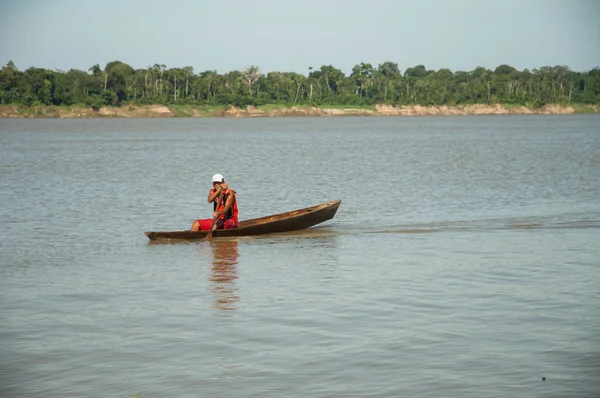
pixel 464 260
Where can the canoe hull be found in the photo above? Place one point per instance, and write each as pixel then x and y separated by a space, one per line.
pixel 284 222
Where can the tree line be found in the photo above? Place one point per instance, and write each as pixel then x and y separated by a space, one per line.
pixel 118 84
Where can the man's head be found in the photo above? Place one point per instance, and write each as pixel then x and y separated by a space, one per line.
pixel 218 179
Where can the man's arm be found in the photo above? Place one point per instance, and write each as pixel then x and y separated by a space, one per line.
pixel 213 194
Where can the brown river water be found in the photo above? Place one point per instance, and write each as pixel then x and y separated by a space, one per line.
pixel 464 260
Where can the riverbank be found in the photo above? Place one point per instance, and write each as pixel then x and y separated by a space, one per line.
pixel 161 111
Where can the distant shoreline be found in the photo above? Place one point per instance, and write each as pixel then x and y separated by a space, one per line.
pixel 162 111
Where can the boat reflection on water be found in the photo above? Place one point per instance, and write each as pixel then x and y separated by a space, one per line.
pixel 224 273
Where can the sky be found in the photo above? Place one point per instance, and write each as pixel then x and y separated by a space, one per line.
pixel 291 36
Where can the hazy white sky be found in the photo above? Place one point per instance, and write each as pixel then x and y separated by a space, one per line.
pixel 284 35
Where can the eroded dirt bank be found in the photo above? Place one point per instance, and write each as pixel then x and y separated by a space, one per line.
pixel 161 111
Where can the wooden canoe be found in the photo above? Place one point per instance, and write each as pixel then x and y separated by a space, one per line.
pixel 284 222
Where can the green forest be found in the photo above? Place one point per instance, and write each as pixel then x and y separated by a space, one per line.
pixel 119 84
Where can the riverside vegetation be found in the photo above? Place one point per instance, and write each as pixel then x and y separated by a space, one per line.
pixel 122 91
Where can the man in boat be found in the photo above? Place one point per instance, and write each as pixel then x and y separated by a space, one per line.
pixel 225 210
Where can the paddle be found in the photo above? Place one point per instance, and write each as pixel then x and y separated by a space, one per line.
pixel 210 231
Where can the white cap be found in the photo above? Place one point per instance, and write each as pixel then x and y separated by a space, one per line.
pixel 218 178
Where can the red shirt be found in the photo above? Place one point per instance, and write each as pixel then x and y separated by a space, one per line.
pixel 232 213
